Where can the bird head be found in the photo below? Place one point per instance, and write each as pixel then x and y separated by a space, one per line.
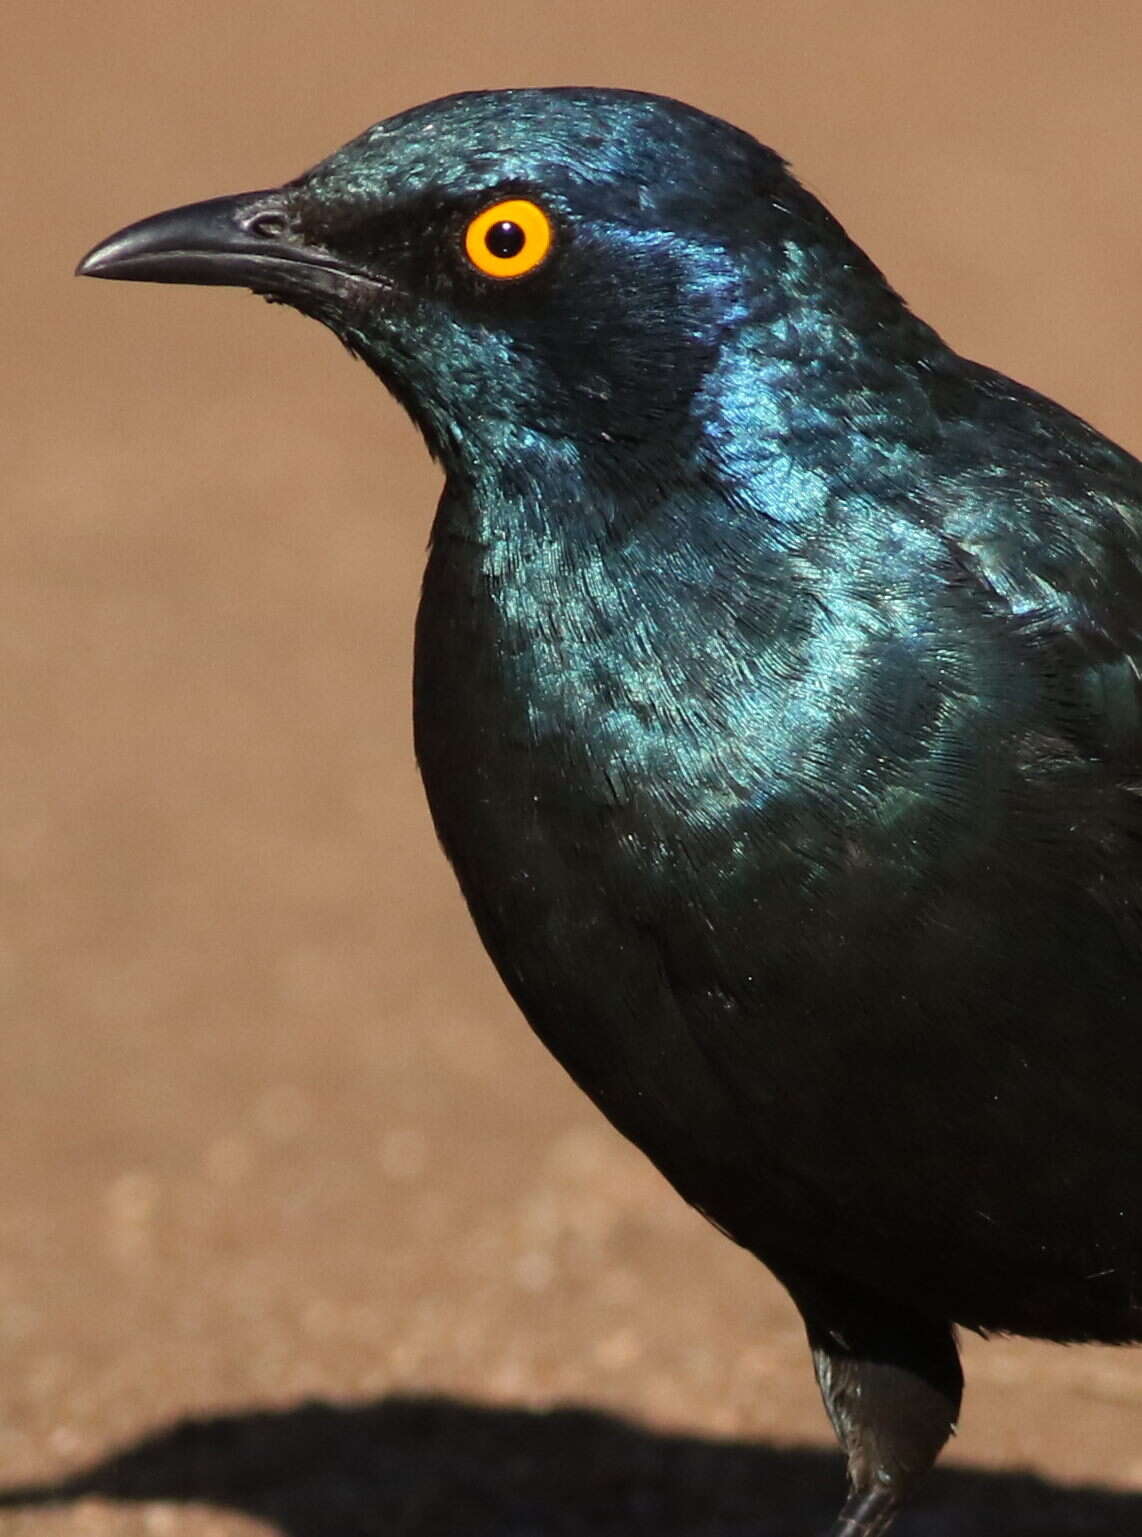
pixel 565 267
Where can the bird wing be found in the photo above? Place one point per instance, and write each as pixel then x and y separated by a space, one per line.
pixel 1052 530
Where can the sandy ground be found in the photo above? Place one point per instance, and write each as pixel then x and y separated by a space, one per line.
pixel 301 1233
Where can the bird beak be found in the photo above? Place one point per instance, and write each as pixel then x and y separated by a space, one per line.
pixel 248 241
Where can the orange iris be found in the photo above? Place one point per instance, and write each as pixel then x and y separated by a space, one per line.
pixel 509 239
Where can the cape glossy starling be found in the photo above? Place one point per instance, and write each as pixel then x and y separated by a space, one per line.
pixel 777 699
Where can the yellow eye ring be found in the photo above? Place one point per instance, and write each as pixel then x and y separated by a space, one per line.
pixel 509 239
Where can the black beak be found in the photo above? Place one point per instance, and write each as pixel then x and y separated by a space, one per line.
pixel 248 241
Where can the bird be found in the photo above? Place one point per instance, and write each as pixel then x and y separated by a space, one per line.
pixel 777 700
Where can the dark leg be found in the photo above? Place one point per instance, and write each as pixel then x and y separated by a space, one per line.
pixel 866 1515
pixel 891 1382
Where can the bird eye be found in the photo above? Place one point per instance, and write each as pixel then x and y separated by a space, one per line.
pixel 509 239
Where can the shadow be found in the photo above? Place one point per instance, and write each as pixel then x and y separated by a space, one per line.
pixel 435 1467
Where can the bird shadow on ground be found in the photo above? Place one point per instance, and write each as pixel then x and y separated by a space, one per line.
pixel 437 1467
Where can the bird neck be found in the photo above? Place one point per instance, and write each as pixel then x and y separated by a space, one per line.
pixel 766 457
pixel 565 549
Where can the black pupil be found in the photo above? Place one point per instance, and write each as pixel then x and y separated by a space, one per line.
pixel 505 239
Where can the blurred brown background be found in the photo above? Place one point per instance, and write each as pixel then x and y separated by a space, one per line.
pixel 272 1130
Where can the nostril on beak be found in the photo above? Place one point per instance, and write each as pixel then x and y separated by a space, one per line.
pixel 267 225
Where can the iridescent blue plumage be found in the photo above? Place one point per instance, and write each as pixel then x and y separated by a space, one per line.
pixel 777 698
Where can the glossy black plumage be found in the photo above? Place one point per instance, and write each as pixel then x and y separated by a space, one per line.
pixel 777 699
